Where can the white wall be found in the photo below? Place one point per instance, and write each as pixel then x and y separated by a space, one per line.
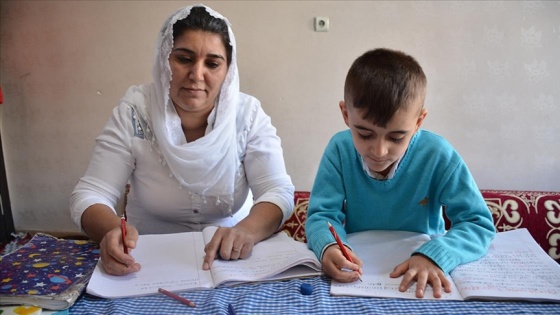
pixel 493 72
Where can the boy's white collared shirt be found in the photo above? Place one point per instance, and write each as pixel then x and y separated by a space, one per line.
pixel 378 176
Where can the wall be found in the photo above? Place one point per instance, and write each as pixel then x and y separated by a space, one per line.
pixel 493 72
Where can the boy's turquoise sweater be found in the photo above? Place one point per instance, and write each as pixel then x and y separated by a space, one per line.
pixel 430 174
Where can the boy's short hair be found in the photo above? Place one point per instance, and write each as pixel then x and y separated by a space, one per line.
pixel 381 81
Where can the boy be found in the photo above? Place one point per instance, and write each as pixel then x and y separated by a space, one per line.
pixel 384 173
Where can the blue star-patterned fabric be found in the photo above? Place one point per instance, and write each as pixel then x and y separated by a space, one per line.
pixel 47 266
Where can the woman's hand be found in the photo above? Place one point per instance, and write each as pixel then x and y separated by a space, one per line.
pixel 113 258
pixel 101 224
pixel 338 267
pixel 228 243
pixel 422 270
pixel 231 243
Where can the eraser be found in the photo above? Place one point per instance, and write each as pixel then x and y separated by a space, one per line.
pixel 306 289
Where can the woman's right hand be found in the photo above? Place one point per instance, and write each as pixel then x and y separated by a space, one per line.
pixel 113 257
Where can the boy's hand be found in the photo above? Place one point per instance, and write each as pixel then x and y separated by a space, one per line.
pixel 338 267
pixel 422 270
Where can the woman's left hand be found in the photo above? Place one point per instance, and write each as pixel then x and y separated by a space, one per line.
pixel 228 243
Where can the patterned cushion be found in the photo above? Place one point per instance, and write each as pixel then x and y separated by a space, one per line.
pixel 295 225
pixel 539 212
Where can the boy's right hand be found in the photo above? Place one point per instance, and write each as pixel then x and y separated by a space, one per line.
pixel 338 267
pixel 113 258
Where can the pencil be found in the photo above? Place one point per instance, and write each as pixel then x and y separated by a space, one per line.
pixel 342 247
pixel 123 234
pixel 177 298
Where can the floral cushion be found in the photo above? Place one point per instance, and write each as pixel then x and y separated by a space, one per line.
pixel 295 225
pixel 539 212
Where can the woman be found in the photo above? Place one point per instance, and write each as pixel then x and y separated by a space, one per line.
pixel 191 146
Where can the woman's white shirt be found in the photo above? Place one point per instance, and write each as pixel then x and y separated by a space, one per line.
pixel 126 151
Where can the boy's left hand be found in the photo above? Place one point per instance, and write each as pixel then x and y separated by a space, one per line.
pixel 422 270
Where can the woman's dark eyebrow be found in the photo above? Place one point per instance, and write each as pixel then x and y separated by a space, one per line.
pixel 190 52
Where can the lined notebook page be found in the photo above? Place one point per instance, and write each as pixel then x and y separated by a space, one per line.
pixel 380 252
pixel 268 260
pixel 174 262
pixel 168 261
pixel 515 267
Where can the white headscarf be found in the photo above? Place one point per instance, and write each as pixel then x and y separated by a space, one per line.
pixel 208 165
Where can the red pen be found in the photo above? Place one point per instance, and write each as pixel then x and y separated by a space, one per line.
pixel 177 297
pixel 123 233
pixel 339 242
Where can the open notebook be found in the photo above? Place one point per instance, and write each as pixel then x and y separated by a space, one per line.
pixel 174 262
pixel 515 268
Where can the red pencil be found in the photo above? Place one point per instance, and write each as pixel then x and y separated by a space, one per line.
pixel 123 234
pixel 177 298
pixel 339 242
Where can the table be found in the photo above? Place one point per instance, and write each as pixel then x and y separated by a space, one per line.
pixel 284 297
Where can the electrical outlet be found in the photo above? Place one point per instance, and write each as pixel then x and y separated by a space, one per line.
pixel 321 24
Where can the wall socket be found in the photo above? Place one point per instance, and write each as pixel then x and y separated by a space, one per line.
pixel 321 24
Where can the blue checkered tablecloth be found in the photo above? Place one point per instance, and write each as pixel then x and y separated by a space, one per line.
pixel 284 297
